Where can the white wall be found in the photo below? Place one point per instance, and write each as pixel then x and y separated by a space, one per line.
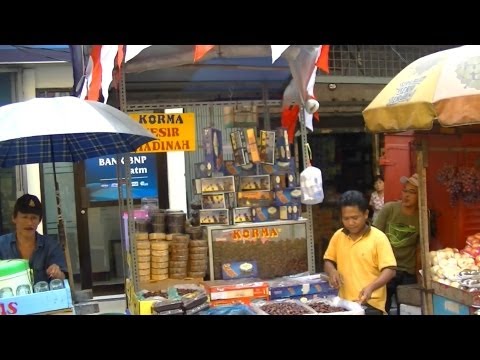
pixel 53 76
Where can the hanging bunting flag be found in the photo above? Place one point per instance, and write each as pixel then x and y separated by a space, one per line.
pixel 200 51
pixel 92 84
pixel 277 51
pixel 134 50
pixel 322 61
pixel 117 70
pixel 99 71
pixel 289 120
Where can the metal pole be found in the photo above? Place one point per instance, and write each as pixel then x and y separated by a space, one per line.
pixel 62 236
pixel 306 163
pixel 130 262
pixel 427 303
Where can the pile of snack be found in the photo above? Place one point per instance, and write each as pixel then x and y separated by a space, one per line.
pixel 458 268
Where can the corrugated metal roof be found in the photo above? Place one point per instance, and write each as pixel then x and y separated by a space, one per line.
pixel 18 54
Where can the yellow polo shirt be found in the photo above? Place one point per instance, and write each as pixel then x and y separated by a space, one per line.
pixel 360 263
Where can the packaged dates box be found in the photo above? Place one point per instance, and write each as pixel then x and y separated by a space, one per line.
pixel 224 291
pixel 214 217
pixel 242 215
pixel 287 196
pixel 220 184
pixel 282 146
pixel 213 201
pixel 267 147
pixel 254 198
pixel 265 213
pixel 256 182
pixel 213 148
pixel 296 288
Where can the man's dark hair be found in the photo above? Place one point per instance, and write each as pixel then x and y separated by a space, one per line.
pixel 354 198
pixel 28 204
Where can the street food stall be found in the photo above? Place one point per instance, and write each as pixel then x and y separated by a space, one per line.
pixel 438 97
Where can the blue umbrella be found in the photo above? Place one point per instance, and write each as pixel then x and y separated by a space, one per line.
pixel 65 129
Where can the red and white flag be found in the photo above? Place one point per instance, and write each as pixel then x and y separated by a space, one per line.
pixel 303 66
pixel 277 51
pixel 200 51
pixel 99 71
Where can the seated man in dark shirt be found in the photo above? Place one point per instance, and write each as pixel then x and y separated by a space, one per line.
pixel 44 254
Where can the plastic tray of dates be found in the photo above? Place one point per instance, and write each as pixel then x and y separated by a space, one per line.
pixel 282 307
pixel 335 306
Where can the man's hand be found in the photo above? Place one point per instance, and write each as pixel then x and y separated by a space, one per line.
pixel 335 279
pixel 365 294
pixel 54 272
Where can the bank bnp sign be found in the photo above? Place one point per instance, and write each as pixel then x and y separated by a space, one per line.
pixel 174 132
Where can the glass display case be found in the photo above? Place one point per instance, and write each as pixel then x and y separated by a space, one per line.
pixel 276 248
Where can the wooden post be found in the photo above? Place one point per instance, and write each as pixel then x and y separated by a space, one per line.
pixel 422 164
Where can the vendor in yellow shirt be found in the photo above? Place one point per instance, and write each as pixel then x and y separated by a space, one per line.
pixel 359 259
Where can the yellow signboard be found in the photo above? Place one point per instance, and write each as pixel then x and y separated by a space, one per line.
pixel 174 132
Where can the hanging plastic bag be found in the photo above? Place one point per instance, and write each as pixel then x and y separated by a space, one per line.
pixel 311 183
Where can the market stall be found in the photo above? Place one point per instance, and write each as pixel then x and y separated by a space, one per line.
pixel 254 188
pixel 435 93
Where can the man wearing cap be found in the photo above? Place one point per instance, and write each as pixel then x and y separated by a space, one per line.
pixel 399 220
pixel 44 254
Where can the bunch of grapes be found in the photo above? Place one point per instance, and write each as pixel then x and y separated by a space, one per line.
pixel 470 180
pixel 462 183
